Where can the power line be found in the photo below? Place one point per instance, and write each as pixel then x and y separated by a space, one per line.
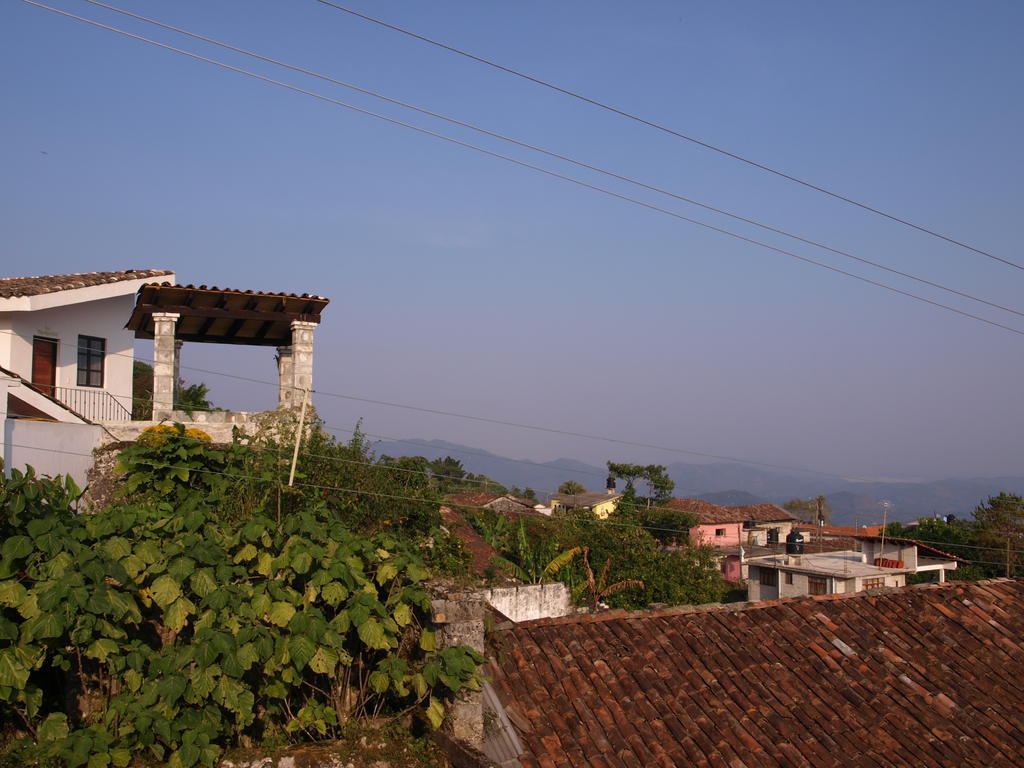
pixel 520 425
pixel 670 131
pixel 556 155
pixel 399 497
pixel 530 166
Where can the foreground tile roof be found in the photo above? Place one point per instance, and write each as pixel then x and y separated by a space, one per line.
pixel 35 286
pixel 709 514
pixel 924 676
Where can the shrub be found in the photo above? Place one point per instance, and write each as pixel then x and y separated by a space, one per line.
pixel 162 632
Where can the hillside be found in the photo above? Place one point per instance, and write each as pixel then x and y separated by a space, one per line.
pixel 854 502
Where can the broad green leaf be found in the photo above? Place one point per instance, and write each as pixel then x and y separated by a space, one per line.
pixel 333 593
pixel 324 661
pixel 419 685
pixel 379 681
pixel 428 642
pixel 301 649
pixel 402 614
pixel 246 553
pixel 301 562
pixel 371 632
pixel 165 590
pixel 53 728
pixel 101 649
pixel 386 573
pixel 99 760
pixel 133 679
pixel 45 625
pixel 202 582
pixel 435 713
pixel 117 548
pixel 12 594
pixel 120 757
pixel 281 613
pixel 17 547
pixel 265 564
pixel 176 616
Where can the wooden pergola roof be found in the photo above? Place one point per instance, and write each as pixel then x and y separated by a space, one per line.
pixel 224 315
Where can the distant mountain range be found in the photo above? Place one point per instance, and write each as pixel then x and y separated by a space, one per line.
pixel 854 502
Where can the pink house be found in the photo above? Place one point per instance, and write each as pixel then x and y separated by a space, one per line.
pixel 750 525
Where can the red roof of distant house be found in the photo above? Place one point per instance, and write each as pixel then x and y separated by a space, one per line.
pixel 481 499
pixel 710 514
pixel 481 552
pixel 11 287
pixel 846 530
pixel 924 676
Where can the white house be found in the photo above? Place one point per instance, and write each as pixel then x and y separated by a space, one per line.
pixel 66 335
pixel 65 363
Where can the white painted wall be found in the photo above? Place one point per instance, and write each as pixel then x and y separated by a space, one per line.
pixel 53 448
pixel 531 601
pixel 104 318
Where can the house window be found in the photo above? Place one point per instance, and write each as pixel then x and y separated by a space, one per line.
pixel 90 361
pixel 817 585
pixel 719 531
pixel 769 578
pixel 788 577
pixel 874 583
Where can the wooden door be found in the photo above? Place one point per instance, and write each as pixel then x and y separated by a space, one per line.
pixel 44 364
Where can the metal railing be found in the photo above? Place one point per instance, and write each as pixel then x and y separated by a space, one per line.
pixel 94 404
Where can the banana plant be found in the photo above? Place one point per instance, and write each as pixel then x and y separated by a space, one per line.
pixel 599 589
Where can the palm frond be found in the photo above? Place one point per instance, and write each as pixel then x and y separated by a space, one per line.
pixel 620 586
pixel 561 561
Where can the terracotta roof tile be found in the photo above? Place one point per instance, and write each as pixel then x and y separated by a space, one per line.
pixel 11 287
pixel 709 514
pixel 481 553
pixel 926 676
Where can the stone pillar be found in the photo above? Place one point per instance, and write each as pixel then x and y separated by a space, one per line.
pixel 460 620
pixel 164 363
pixel 302 359
pixel 284 377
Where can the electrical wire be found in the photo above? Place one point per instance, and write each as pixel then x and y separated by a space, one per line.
pixel 530 166
pixel 399 497
pixel 556 155
pixel 520 425
pixel 667 130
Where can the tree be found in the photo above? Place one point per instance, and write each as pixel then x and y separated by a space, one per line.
pixel 571 487
pixel 809 510
pixel 1001 526
pixel 655 476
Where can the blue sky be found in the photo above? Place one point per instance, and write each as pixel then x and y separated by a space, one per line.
pixel 463 283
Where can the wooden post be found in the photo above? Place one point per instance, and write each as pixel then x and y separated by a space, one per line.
pixel 298 437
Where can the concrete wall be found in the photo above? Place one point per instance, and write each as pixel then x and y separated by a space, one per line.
pixel 531 601
pixel 706 534
pixel 103 318
pixel 53 448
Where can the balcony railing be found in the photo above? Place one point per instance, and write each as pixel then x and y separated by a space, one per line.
pixel 94 404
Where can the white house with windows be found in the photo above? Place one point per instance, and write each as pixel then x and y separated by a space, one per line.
pixel 66 362
pixel 65 335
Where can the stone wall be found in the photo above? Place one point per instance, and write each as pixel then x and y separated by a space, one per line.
pixel 217 424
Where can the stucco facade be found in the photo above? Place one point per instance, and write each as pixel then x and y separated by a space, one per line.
pixel 65 317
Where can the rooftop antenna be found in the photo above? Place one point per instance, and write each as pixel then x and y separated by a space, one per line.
pixel 885 517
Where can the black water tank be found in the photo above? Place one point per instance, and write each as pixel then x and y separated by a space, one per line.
pixel 794 543
pixel 773 536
